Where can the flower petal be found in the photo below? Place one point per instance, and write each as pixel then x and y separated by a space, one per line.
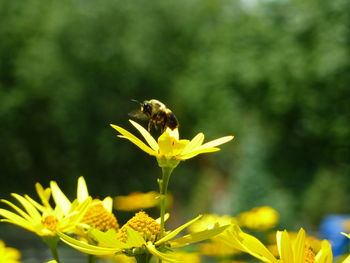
pixel 134 238
pixel 107 239
pixel 86 248
pixel 299 246
pixel 325 254
pixel 129 136
pixel 216 142
pixel 284 246
pixel 175 232
pixel 194 143
pixel 16 220
pixel 152 249
pixel 108 203
pixel 148 137
pixel 197 236
pixel 31 210
pixel 196 152
pixel 237 239
pixel 60 198
pixel 44 194
pixel 82 190
pixel 140 144
pixel 165 142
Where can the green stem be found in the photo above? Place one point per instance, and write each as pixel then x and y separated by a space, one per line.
pixel 163 195
pixel 163 190
pixel 52 242
pixel 91 258
pixel 143 258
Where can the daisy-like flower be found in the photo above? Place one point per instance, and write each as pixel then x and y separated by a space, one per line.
pixel 42 218
pixel 99 213
pixel 136 201
pixel 259 218
pixel 290 251
pixel 141 237
pixel 9 254
pixel 169 149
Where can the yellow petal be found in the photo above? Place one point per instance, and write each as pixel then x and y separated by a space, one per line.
pixel 32 212
pixel 134 238
pixel 18 210
pixel 347 235
pixel 43 194
pixel 148 137
pixel 16 220
pixel 87 248
pixel 129 136
pixel 237 239
pixel 325 254
pixel 107 239
pixel 175 232
pixel 284 246
pixel 216 142
pixel 197 237
pixel 108 203
pixel 194 143
pixel 152 249
pixel 82 190
pixel 165 142
pixel 173 133
pixel 198 151
pixel 60 198
pixel 299 246
pixel 36 204
pixel 140 144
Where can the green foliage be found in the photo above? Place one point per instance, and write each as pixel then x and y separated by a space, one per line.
pixel 275 74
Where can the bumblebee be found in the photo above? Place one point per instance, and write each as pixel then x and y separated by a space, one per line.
pixel 157 114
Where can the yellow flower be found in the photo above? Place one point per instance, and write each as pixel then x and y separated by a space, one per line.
pixel 41 218
pixel 99 213
pixel 290 251
pixel 259 218
pixel 136 201
pixel 208 220
pixel 9 254
pixel 141 236
pixel 347 259
pixel 169 149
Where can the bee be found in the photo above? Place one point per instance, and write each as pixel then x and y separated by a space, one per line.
pixel 157 114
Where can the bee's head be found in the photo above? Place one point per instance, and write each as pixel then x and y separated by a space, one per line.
pixel 146 108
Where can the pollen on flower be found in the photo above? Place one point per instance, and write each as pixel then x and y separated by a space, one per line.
pixel 144 224
pixel 309 254
pixel 98 217
pixel 50 222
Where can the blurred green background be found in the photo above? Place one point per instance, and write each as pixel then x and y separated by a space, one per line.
pixel 276 74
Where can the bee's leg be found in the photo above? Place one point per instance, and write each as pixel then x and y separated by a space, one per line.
pixel 149 125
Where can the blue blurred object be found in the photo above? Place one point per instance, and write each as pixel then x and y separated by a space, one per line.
pixel 331 228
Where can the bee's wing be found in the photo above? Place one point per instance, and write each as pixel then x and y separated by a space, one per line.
pixel 138 114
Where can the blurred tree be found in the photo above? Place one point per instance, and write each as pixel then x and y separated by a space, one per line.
pixel 69 68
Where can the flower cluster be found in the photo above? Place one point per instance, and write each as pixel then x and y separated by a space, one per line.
pixel 89 224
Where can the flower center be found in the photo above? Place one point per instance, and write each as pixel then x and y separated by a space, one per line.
pixel 144 224
pixel 98 217
pixel 50 222
pixel 309 254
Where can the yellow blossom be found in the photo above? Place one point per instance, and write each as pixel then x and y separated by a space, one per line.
pixel 9 254
pixel 208 220
pixel 141 235
pixel 169 149
pixel 290 251
pixel 136 201
pixel 99 213
pixel 41 218
pixel 259 218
